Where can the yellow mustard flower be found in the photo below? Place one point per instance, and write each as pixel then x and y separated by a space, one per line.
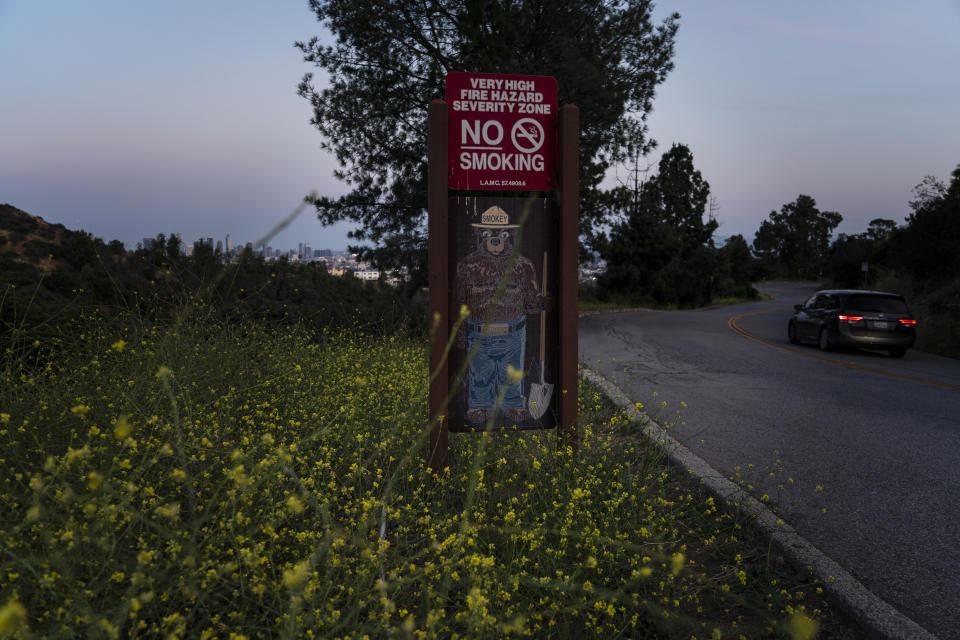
pixel 107 627
pixel 676 563
pixel 297 576
pixel 123 428
pixel 94 480
pixel 13 618
pixel 295 505
pixel 801 627
pixel 169 511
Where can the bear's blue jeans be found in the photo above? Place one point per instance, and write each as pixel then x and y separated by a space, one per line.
pixel 488 368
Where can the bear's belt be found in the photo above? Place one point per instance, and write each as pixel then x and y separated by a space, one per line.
pixel 496 328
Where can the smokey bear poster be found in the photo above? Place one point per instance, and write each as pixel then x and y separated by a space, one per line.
pixel 504 289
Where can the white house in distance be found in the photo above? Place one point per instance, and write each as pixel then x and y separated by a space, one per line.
pixel 367 275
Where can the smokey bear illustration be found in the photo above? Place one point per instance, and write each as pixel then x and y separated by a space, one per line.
pixel 494 333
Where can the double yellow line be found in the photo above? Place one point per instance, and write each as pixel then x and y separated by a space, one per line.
pixel 732 323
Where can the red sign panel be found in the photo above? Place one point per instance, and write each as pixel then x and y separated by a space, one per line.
pixel 502 131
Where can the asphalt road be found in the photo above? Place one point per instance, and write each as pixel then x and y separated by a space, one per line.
pixel 881 436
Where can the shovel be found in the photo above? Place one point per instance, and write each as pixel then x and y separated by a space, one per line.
pixel 540 392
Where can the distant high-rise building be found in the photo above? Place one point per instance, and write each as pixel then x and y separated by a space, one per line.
pixel 307 252
pixel 325 253
pixel 210 241
pixel 229 244
pixel 219 246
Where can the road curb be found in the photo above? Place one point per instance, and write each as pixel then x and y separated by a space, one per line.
pixel 875 616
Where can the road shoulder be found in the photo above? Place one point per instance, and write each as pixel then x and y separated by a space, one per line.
pixel 875 616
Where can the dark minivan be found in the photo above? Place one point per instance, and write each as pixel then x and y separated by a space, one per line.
pixel 855 318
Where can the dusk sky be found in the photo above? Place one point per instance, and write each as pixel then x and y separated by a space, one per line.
pixel 128 119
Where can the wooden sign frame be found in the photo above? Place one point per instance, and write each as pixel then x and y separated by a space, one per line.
pixel 444 308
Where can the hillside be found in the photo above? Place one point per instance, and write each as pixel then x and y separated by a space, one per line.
pixel 48 272
pixel 33 251
pixel 23 239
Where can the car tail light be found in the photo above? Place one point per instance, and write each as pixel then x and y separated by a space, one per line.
pixel 850 318
pixel 910 322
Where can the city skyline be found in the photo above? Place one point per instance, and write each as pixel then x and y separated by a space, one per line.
pixel 226 240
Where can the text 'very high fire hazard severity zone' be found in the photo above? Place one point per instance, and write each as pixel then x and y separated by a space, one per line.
pixel 502 131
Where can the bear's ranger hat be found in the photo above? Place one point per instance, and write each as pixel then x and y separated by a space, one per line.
pixel 494 218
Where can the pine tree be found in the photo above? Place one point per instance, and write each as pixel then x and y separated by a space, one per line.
pixel 389 60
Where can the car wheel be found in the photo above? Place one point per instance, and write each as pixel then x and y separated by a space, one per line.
pixel 824 342
pixel 792 333
pixel 898 353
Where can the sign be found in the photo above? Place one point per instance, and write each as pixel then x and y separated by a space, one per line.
pixel 501 131
pixel 503 268
pixel 506 253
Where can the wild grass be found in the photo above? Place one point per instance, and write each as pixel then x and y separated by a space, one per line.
pixel 591 299
pixel 217 481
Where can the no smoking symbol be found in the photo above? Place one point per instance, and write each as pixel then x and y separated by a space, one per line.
pixel 527 135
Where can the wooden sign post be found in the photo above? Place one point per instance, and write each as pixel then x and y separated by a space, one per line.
pixel 503 266
pixel 439 279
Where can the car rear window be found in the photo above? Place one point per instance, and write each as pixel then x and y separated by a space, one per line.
pixel 877 304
